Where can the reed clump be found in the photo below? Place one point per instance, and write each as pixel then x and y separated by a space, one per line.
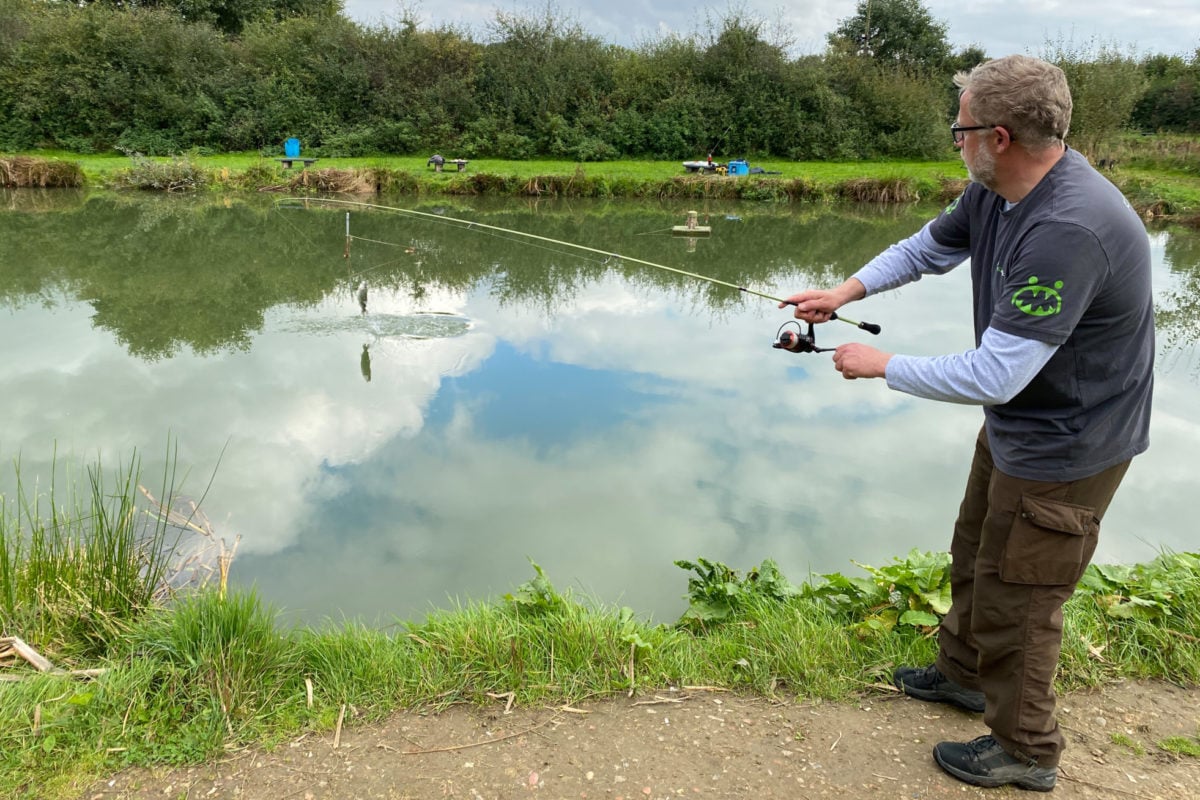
pixel 341 181
pixel 31 172
pixel 259 176
pixel 76 568
pixel 396 181
pixel 950 188
pixel 878 190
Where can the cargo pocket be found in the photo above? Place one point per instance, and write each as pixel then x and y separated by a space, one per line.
pixel 1050 544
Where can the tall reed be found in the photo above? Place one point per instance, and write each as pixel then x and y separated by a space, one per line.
pixel 76 566
pixel 39 173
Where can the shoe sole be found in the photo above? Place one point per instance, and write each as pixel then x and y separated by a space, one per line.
pixel 1030 783
pixel 933 696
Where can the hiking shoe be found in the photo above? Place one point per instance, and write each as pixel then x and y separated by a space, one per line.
pixel 983 762
pixel 927 683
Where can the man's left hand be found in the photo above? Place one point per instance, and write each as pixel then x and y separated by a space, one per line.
pixel 860 361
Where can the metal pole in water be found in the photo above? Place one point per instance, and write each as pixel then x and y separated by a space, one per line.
pixel 346 253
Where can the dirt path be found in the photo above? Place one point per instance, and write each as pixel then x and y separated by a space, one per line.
pixel 693 743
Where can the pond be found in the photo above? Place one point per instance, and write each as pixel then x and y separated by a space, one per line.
pixel 504 401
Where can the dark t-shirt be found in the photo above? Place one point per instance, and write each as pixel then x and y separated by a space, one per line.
pixel 1069 265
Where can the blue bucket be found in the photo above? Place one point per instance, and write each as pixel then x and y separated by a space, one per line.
pixel 291 148
pixel 739 168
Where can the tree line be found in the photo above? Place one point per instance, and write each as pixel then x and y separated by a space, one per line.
pixel 167 76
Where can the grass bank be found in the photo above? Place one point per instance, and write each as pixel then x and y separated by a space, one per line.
pixel 1159 182
pixel 145 675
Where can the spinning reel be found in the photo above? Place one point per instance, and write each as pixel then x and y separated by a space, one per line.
pixel 805 341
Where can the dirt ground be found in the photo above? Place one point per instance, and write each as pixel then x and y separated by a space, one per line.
pixel 692 743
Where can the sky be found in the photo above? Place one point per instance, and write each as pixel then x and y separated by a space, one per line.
pixel 1000 27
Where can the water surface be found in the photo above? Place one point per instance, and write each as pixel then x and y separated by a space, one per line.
pixel 503 402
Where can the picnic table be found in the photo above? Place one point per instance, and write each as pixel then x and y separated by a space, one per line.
pixel 437 162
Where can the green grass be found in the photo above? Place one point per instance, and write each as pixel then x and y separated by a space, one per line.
pixel 99 165
pixel 76 566
pixel 626 178
pixel 1159 181
pixel 1128 742
pixel 1181 745
pixel 184 682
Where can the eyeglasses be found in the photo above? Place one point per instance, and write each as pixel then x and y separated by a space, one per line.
pixel 957 130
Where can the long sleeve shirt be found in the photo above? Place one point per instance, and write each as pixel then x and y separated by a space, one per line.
pixel 993 373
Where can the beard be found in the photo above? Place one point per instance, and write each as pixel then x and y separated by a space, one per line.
pixel 983 171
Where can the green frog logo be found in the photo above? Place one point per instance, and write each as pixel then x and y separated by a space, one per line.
pixel 1037 300
pixel 950 208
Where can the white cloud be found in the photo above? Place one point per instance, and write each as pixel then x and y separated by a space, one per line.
pixel 1155 26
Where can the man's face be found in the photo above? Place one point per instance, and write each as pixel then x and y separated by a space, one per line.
pixel 975 148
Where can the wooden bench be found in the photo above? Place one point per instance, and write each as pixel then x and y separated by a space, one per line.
pixel 287 162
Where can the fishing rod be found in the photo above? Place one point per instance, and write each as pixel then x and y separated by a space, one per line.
pixel 798 341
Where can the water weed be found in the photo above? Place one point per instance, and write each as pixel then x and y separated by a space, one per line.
pixel 913 592
pixel 717 593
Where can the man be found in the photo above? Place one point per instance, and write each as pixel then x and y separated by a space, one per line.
pixel 1060 268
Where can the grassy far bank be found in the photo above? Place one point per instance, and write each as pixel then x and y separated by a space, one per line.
pixel 181 679
pixel 1159 183
pixel 98 167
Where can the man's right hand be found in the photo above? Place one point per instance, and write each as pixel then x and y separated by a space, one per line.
pixel 818 305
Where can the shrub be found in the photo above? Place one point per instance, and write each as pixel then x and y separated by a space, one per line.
pixel 180 174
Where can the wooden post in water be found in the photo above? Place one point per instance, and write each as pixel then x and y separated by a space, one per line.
pixel 346 254
pixel 692 227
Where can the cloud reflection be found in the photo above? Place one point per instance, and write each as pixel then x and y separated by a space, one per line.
pixel 676 434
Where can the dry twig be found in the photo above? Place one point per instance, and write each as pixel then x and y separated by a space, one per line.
pixel 452 748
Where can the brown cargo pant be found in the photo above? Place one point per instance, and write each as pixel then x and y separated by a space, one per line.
pixel 1019 548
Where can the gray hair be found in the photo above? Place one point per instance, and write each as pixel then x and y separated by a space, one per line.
pixel 1028 96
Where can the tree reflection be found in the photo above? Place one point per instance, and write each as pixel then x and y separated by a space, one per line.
pixel 167 273
pixel 1177 317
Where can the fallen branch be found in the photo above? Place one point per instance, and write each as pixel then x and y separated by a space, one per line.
pixel 452 748
pixel 659 700
pixel 36 659
pixel 573 710
pixel 1182 635
pixel 509 696
pixel 1067 777
pixel 337 734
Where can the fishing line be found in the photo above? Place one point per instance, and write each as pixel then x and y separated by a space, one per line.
pixel 472 225
pixel 492 234
pixel 378 241
pixel 299 231
pixel 389 262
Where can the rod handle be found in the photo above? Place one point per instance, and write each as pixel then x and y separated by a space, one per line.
pixel 869 327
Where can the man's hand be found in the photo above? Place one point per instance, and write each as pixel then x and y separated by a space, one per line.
pixel 860 361
pixel 818 305
pixel 813 305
